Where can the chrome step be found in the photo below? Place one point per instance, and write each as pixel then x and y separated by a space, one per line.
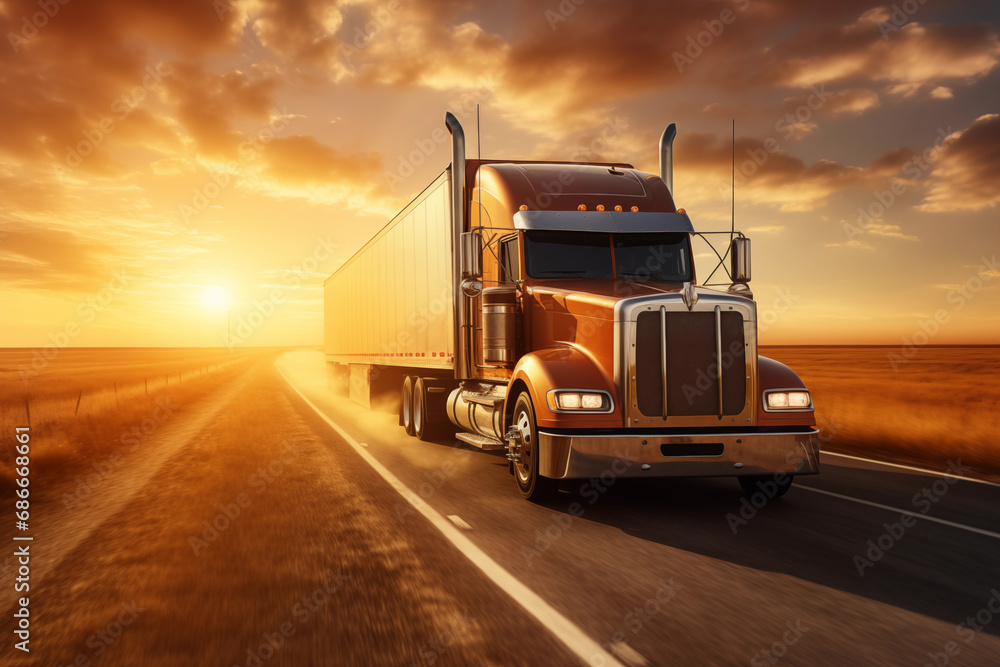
pixel 483 442
pixel 483 393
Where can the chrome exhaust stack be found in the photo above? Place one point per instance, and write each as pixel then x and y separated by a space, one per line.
pixel 667 156
pixel 462 366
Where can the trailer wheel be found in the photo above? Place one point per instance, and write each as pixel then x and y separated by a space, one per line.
pixel 421 428
pixel 766 484
pixel 532 485
pixel 406 406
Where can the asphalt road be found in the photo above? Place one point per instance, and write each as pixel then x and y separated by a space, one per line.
pixel 344 542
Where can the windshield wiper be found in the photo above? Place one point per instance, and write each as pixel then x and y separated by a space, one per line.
pixel 563 272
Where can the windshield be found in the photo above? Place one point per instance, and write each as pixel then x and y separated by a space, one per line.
pixel 652 256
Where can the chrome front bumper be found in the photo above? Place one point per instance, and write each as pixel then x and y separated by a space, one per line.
pixel 585 456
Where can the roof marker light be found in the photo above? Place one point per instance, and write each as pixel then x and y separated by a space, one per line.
pixel 600 207
pixel 680 210
pixel 635 209
pixel 581 207
pixel 618 208
pixel 524 207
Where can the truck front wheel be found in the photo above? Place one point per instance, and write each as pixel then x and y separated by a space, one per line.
pixel 533 486
pixel 768 484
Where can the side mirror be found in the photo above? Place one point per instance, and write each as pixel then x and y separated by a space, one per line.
pixel 472 255
pixel 739 256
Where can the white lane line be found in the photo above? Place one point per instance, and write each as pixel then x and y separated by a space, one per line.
pixel 898 465
pixel 629 654
pixel 565 630
pixel 918 515
pixel 459 521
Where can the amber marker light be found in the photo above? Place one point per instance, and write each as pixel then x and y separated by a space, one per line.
pixel 635 209
pixel 581 207
pixel 618 208
pixel 524 207
pixel 600 207
pixel 680 210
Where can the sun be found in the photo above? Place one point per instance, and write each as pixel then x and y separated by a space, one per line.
pixel 216 298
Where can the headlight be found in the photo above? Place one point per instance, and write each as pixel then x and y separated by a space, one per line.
pixel 787 399
pixel 579 400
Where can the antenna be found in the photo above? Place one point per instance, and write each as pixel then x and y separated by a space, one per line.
pixel 732 229
pixel 479 167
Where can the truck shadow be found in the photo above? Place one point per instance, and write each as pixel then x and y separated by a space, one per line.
pixel 809 536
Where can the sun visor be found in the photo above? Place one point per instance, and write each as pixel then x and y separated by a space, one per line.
pixel 603 221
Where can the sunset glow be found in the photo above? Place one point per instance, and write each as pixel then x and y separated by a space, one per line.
pixel 216 298
pixel 152 149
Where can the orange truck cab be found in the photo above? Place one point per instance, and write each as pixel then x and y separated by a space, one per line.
pixel 571 331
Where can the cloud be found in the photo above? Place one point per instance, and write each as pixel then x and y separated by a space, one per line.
pixel 913 56
pixel 802 112
pixel 52 259
pixel 889 231
pixel 303 159
pixel 942 93
pixel 966 176
pixel 763 176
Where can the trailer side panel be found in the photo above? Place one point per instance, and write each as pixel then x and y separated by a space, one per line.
pixel 392 303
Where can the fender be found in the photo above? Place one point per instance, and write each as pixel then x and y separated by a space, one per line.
pixel 562 367
pixel 776 375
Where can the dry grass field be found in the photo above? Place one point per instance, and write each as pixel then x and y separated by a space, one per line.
pixel 943 403
pixel 83 402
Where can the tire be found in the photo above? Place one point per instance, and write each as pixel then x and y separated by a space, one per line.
pixel 767 484
pixel 529 482
pixel 421 428
pixel 406 406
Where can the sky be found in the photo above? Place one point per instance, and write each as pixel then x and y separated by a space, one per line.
pixel 171 171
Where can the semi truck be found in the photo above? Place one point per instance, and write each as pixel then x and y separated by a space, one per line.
pixel 551 311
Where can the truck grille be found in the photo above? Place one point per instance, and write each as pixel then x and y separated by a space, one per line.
pixel 692 382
